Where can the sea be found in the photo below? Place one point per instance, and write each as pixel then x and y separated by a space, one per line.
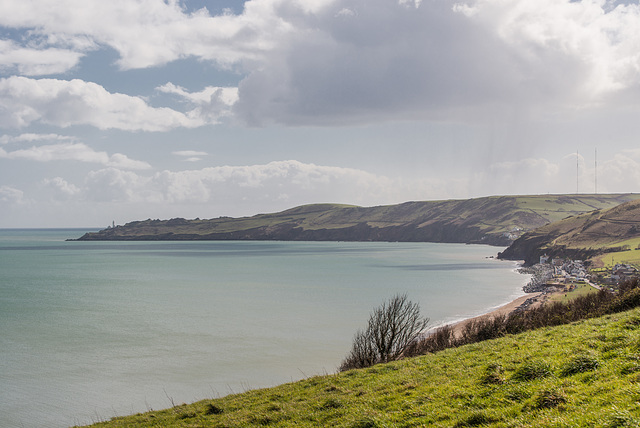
pixel 94 330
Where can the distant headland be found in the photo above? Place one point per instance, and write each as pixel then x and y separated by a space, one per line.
pixel 494 220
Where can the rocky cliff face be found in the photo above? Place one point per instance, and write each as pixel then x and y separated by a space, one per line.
pixel 435 232
pixel 530 250
pixel 579 237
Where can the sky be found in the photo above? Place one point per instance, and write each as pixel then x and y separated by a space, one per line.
pixel 123 110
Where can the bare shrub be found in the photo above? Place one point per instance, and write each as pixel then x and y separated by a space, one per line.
pixel 392 329
pixel 437 340
pixel 380 342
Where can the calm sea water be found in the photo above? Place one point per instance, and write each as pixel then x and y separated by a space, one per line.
pixel 92 330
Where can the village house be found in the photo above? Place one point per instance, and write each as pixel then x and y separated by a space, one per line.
pixel 621 272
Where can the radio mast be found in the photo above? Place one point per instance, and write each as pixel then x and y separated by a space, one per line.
pixel 595 173
pixel 577 171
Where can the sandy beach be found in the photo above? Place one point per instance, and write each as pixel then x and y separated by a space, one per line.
pixel 503 310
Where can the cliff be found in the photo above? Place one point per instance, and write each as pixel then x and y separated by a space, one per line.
pixel 496 220
pixel 581 237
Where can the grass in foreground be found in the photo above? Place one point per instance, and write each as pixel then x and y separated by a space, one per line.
pixel 585 374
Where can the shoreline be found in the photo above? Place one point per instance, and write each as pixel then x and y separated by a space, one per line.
pixel 520 303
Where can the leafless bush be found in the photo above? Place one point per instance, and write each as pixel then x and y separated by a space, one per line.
pixel 395 328
pixel 392 328
pixel 436 340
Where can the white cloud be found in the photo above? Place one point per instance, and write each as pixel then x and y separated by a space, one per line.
pixel 149 33
pixel 618 174
pixel 24 101
pixel 253 188
pixel 118 160
pixel 346 62
pixel 250 189
pixel 525 176
pixel 586 45
pixel 11 195
pixel 414 3
pixel 541 167
pixel 621 173
pixel 31 137
pixel 506 80
pixel 33 61
pixel 210 104
pixel 225 95
pixel 345 12
pixel 384 61
pixel 115 185
pixel 61 188
pixel 189 153
pixel 264 182
pixel 73 151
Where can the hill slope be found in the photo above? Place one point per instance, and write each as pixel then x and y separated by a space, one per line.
pixel 585 374
pixel 582 236
pixel 496 220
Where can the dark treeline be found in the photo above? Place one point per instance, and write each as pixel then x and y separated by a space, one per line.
pixel 551 314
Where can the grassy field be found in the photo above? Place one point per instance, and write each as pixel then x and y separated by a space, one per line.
pixel 555 208
pixel 630 256
pixel 580 289
pixel 630 244
pixel 609 260
pixel 585 374
pixel 585 236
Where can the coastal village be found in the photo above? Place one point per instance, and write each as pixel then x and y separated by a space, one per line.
pixel 554 274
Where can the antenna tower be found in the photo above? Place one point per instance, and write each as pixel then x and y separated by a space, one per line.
pixel 596 170
pixel 577 171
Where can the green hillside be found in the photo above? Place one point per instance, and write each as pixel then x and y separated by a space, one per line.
pixel 585 374
pixel 495 220
pixel 604 231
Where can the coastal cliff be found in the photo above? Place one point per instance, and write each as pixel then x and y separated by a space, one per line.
pixel 496 220
pixel 581 237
